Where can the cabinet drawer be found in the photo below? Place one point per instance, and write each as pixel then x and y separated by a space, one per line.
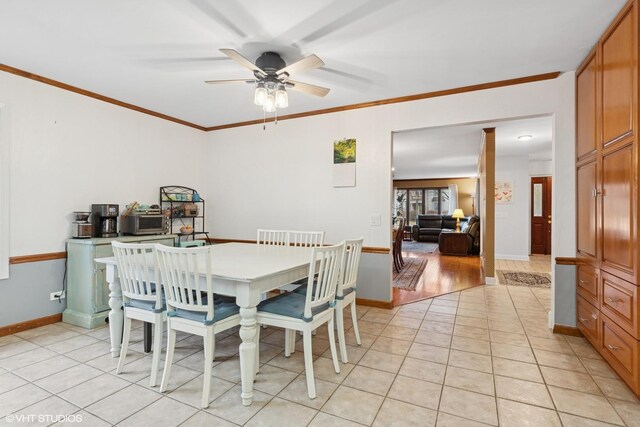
pixel 588 321
pixel 621 351
pixel 587 284
pixel 104 251
pixel 619 301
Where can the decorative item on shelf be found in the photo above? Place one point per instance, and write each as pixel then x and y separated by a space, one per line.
pixel 186 229
pixel 457 214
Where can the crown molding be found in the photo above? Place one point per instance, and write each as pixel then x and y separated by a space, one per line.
pixel 408 98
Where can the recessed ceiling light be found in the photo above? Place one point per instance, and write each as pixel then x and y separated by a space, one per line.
pixel 525 137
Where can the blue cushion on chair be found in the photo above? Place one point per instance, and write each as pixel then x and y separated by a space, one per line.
pixel 346 292
pixel 221 311
pixel 290 304
pixel 146 305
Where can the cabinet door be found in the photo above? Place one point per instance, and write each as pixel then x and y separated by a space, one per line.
pixel 587 212
pixel 618 221
pixel 586 109
pixel 618 82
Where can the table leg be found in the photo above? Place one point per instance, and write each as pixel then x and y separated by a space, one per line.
pixel 248 331
pixel 147 337
pixel 116 315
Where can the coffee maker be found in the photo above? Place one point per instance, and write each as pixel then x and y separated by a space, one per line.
pixel 81 227
pixel 104 219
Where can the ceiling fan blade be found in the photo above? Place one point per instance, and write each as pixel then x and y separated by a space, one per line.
pixel 308 63
pixel 308 88
pixel 242 61
pixel 215 82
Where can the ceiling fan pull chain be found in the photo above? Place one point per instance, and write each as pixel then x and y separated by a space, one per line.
pixel 276 116
pixel 264 120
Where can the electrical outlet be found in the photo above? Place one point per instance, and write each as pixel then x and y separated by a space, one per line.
pixel 55 296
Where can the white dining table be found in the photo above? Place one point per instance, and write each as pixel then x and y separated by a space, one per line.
pixel 242 270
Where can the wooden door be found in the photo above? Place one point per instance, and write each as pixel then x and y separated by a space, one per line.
pixel 618 217
pixel 587 211
pixel 618 82
pixel 586 107
pixel 541 215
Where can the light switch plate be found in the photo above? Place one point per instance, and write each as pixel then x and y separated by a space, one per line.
pixel 376 220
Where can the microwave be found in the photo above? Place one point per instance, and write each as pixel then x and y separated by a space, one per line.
pixel 138 225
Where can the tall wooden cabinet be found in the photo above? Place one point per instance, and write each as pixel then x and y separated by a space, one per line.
pixel 607 172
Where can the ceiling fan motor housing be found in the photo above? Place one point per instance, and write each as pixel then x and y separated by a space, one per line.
pixel 270 62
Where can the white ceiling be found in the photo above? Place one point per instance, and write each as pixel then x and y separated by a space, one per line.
pixel 157 53
pixel 453 151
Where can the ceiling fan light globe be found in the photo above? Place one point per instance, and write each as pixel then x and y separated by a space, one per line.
pixel 260 96
pixel 282 98
pixel 269 104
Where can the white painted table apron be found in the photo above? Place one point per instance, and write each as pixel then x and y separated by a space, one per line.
pixel 243 270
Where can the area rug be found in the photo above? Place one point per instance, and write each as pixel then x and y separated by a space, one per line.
pixel 419 247
pixel 407 278
pixel 521 278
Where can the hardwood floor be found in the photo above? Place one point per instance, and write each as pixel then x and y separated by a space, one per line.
pixel 443 274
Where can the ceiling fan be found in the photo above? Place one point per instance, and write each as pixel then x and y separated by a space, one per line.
pixel 271 76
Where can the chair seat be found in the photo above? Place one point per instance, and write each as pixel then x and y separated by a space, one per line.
pixel 146 305
pixel 290 304
pixel 346 292
pixel 221 311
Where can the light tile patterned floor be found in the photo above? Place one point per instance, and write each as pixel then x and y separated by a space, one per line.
pixel 476 357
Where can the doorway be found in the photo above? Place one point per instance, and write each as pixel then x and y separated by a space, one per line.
pixel 541 215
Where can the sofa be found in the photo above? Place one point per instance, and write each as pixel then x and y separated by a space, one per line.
pixel 429 228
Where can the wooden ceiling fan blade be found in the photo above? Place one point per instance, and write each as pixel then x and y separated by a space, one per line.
pixel 308 88
pixel 233 54
pixel 309 63
pixel 215 82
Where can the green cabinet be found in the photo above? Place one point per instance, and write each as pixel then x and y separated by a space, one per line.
pixel 87 287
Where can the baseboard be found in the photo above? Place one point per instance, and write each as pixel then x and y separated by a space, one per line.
pixel 30 324
pixel 513 257
pixel 566 330
pixel 374 303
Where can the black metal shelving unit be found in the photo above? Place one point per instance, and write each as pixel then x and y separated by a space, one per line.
pixel 177 199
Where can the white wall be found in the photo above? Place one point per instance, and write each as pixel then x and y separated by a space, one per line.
pixel 540 168
pixel 281 177
pixel 512 219
pixel 69 151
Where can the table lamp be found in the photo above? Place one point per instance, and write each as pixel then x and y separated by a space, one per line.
pixel 457 214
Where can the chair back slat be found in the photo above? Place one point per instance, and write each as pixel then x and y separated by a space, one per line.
pixel 273 237
pixel 349 273
pixel 182 277
pixel 137 269
pixel 309 239
pixel 324 267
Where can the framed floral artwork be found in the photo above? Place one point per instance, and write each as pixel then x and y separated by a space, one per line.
pixel 504 192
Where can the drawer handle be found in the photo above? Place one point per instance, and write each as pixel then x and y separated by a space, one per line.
pixel 613 347
pixel 583 320
pixel 583 282
pixel 594 316
pixel 614 300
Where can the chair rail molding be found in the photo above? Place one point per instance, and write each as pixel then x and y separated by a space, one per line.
pixel 5 163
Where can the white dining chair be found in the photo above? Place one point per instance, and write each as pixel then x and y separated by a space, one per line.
pixel 273 237
pixel 142 297
pixel 346 292
pixel 306 312
pixel 306 239
pixel 188 286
